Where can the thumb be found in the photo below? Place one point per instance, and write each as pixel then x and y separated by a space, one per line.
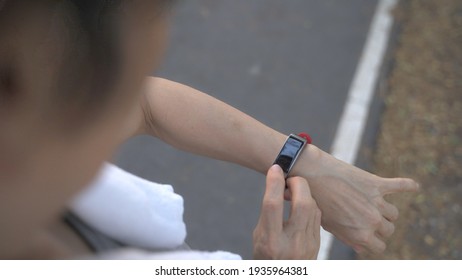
pixel 396 185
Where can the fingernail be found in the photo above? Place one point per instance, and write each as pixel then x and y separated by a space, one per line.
pixel 276 168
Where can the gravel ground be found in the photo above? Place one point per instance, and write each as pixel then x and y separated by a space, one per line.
pixel 421 132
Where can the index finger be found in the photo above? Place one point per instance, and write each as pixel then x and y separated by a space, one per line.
pixel 272 212
pixel 396 185
pixel 303 206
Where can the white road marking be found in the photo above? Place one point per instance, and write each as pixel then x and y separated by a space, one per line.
pixel 353 121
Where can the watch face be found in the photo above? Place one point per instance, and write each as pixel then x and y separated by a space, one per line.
pixel 288 153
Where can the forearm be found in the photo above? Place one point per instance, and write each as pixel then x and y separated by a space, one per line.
pixel 195 122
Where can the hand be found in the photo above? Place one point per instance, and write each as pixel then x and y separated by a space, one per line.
pixel 299 236
pixel 352 202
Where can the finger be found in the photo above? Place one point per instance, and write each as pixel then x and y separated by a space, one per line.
pixel 317 227
pixel 358 248
pixel 376 246
pixel 313 225
pixel 303 206
pixel 395 185
pixel 386 229
pixel 272 212
pixel 287 194
pixel 389 211
pixel 313 235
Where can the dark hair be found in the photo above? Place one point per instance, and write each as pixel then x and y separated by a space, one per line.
pixel 91 61
pixel 94 53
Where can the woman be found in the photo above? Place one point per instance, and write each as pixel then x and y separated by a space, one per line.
pixel 73 87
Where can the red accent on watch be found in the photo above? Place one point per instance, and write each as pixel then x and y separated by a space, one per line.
pixel 306 136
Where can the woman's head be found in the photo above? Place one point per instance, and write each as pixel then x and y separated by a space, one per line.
pixel 70 74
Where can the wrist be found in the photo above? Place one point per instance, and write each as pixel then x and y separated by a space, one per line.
pixel 309 162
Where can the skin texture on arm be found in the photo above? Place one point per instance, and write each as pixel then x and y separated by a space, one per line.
pixel 351 200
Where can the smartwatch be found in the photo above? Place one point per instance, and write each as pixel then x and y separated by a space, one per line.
pixel 290 152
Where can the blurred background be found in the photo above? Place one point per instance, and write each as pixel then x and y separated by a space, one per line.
pixel 420 134
pixel 290 64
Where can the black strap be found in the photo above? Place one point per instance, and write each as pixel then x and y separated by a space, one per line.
pixel 97 241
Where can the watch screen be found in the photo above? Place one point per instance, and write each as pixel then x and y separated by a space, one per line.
pixel 288 153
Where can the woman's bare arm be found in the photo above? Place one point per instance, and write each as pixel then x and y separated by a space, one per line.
pixel 352 200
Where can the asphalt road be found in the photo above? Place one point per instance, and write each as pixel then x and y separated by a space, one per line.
pixel 289 64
